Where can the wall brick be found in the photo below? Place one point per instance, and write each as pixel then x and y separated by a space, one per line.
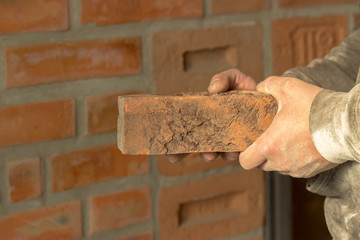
pixel 190 164
pixel 236 6
pixel 65 61
pixel 296 41
pixel 33 16
pixel 185 60
pixel 196 122
pixel 303 3
pixel 102 112
pixel 104 12
pixel 118 210
pixel 356 18
pixel 36 122
pixel 213 208
pixel 145 236
pixel 25 179
pixel 94 165
pixel 62 221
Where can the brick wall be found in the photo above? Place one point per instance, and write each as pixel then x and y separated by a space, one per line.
pixel 64 62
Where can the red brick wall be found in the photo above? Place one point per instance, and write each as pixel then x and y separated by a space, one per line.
pixel 64 62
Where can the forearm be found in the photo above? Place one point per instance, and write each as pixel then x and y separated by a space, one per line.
pixel 336 71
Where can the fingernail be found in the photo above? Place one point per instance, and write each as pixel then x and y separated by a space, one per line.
pixel 171 159
pixel 213 85
pixel 209 156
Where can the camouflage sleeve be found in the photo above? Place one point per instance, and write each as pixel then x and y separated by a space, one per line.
pixel 335 112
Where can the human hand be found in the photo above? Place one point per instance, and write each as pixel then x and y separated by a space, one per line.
pixel 232 79
pixel 286 146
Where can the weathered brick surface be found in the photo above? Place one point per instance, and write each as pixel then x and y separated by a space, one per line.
pixel 185 60
pixel 33 16
pixel 235 6
pixel 118 210
pixel 104 12
pixel 190 164
pixel 36 122
pixel 93 165
pixel 102 112
pixel 25 179
pixel 297 41
pixel 61 221
pixel 57 62
pixel 213 208
pixel 303 3
pixel 201 122
pixel 145 236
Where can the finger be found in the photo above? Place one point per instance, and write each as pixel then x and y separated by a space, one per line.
pixel 173 158
pixel 219 85
pixel 254 155
pixel 272 85
pixel 230 156
pixel 209 156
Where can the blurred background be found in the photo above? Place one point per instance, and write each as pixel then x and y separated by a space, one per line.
pixel 63 63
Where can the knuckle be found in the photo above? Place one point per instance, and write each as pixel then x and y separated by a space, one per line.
pixel 288 84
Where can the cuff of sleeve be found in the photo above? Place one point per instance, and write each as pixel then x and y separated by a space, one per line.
pixel 329 126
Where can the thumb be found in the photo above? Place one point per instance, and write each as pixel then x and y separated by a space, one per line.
pixel 274 86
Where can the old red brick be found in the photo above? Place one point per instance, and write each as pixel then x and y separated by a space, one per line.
pixel 202 122
pixel 25 179
pixel 185 60
pixel 235 6
pixel 190 164
pixel 356 18
pixel 118 210
pixel 297 41
pixel 29 123
pixel 33 16
pixel 145 236
pixel 303 3
pixel 61 221
pixel 104 12
pixel 102 112
pixel 93 165
pixel 65 61
pixel 212 208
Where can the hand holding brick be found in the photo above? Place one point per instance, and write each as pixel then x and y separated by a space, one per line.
pixel 185 123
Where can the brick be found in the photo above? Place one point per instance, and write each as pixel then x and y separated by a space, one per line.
pixel 356 19
pixel 22 16
pixel 296 41
pixel 65 61
pixel 105 12
pixel 25 179
pixel 145 236
pixel 102 112
pixel 61 221
pixel 304 3
pixel 185 60
pixel 213 208
pixel 119 210
pixel 235 6
pixel 35 122
pixel 93 165
pixel 190 164
pixel 199 122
